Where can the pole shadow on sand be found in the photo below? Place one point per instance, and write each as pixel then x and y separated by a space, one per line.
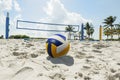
pixel 67 60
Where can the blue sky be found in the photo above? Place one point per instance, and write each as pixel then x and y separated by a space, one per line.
pixel 57 11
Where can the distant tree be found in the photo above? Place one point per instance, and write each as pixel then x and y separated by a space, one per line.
pixel 118 30
pixel 109 23
pixel 106 31
pixel 89 29
pixel 1 37
pixel 77 34
pixel 19 36
pixel 69 29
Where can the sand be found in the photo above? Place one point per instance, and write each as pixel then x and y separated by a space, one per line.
pixel 28 60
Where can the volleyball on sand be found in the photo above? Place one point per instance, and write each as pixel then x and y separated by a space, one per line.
pixel 57 45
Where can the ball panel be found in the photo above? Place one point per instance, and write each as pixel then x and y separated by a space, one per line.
pixel 58 38
pixel 53 50
pixel 63 52
pixel 63 37
pixel 57 46
pixel 54 41
pixel 62 47
pixel 49 49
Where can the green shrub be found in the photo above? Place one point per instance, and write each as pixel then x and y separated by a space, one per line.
pixel 18 36
pixel 113 39
pixel 1 37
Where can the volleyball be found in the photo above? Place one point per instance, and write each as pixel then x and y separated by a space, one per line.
pixel 57 45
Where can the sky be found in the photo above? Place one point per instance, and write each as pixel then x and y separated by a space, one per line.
pixel 56 11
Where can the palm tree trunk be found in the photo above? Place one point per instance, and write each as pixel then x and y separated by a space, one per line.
pixel 91 35
pixel 88 37
pixel 69 36
pixel 107 36
pixel 111 36
pixel 118 36
pixel 111 33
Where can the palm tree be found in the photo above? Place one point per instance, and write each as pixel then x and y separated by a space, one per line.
pixel 118 30
pixel 114 30
pixel 89 29
pixel 107 32
pixel 109 23
pixel 77 34
pixel 69 29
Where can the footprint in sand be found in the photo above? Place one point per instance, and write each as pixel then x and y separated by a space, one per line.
pixel 57 76
pixel 23 73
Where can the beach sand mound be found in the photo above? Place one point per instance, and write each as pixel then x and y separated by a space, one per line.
pixel 28 60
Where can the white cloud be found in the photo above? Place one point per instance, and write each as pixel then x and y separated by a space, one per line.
pixel 18 16
pixel 2 18
pixel 57 13
pixel 16 6
pixel 7 6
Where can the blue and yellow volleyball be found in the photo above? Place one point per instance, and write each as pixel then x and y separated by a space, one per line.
pixel 57 45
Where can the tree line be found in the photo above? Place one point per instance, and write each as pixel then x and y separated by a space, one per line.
pixel 88 27
pixel 109 29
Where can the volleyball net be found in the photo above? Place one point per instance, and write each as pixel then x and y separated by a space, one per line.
pixel 41 26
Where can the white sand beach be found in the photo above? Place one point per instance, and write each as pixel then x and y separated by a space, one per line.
pixel 28 60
